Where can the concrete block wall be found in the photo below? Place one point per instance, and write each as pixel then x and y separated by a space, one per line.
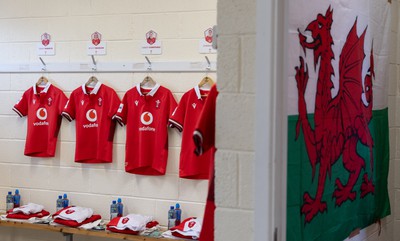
pixel 235 123
pixel 123 24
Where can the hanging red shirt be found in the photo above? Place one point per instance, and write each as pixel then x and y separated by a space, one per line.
pixel 43 106
pixel 204 138
pixel 184 118
pixel 146 113
pixel 93 109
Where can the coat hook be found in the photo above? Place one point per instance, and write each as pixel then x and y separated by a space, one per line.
pixel 43 63
pixel 209 63
pixel 148 61
pixel 94 63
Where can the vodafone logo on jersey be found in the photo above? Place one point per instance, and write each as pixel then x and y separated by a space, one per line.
pixel 146 118
pixel 41 114
pixel 91 115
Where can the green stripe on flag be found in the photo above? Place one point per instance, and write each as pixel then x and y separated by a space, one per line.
pixel 337 222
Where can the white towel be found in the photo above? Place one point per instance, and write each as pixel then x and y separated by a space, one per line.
pixel 29 208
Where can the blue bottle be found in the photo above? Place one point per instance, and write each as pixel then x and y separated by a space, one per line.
pixel 113 210
pixel 17 199
pixel 120 208
pixel 178 214
pixel 59 203
pixel 65 201
pixel 9 202
pixel 171 217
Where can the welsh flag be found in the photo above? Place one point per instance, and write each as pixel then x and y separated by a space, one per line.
pixel 338 133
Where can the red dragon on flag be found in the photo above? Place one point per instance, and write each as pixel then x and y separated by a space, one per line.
pixel 341 121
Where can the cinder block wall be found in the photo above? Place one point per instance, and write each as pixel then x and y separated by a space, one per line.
pixel 235 125
pixel 123 24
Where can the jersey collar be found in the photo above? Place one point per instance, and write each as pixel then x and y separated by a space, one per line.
pixel 46 88
pixel 152 91
pixel 197 90
pixel 95 89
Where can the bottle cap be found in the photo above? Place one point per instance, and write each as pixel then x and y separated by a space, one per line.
pixel 16 191
pixel 65 195
pixel 119 200
pixel 177 205
pixel 9 192
pixel 172 207
pixel 59 196
pixel 114 202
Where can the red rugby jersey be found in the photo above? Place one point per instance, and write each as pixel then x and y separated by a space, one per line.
pixel 204 138
pixel 43 106
pixel 185 117
pixel 146 113
pixel 93 109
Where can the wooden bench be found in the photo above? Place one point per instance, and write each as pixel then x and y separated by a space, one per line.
pixel 69 232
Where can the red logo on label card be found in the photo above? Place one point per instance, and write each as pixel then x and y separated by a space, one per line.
pixel 46 39
pixel 96 38
pixel 69 211
pixel 125 220
pixel 151 37
pixel 208 35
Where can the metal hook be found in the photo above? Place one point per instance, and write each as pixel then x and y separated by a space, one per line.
pixel 44 64
pixel 94 63
pixel 148 61
pixel 209 64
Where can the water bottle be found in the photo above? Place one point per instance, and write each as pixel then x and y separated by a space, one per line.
pixel 65 201
pixel 178 214
pixel 120 208
pixel 59 203
pixel 113 210
pixel 17 199
pixel 171 217
pixel 9 202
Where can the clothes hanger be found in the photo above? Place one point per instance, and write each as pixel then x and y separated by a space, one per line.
pixel 148 82
pixel 92 81
pixel 206 80
pixel 42 81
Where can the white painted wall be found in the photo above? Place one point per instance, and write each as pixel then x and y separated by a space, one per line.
pixel 123 24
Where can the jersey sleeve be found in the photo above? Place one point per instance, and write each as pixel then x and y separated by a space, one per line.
pixel 115 103
pixel 69 108
pixel 204 134
pixel 21 107
pixel 122 111
pixel 177 118
pixel 62 103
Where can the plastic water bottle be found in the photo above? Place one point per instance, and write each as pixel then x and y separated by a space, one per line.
pixel 113 210
pixel 65 201
pixel 120 208
pixel 171 217
pixel 178 214
pixel 17 199
pixel 59 203
pixel 9 202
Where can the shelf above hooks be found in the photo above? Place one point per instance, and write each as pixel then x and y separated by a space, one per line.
pixel 138 67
